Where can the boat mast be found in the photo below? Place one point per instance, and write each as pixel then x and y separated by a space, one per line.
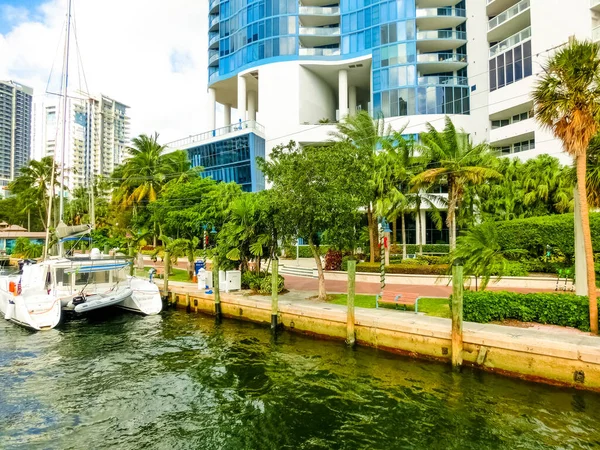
pixel 65 92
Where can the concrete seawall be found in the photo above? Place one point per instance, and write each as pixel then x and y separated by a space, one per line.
pixel 555 358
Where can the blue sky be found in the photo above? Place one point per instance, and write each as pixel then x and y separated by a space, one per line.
pixel 7 21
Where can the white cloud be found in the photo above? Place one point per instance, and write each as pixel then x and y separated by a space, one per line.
pixel 148 54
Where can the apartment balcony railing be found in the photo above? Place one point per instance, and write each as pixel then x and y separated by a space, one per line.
pixel 248 126
pixel 441 57
pixel 213 57
pixel 445 80
pixel 319 51
pixel 319 10
pixel 441 12
pixel 214 20
pixel 508 14
pixel 319 31
pixel 213 76
pixel 213 39
pixel 510 42
pixel 213 4
pixel 441 34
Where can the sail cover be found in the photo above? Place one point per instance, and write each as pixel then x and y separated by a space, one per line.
pixel 63 231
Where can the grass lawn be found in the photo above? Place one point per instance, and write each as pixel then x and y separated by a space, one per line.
pixel 176 274
pixel 438 307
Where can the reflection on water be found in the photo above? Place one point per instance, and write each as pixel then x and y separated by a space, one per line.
pixel 179 381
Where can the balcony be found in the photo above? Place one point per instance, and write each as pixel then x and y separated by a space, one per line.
pixel 318 36
pixel 213 23
pixel 429 63
pixel 510 21
pixel 512 41
pixel 443 80
pixel 318 16
pixel 319 52
pixel 438 40
pixel 319 31
pixel 595 5
pixel 213 40
pixel 213 6
pixel 213 58
pixel 495 7
pixel 436 18
pixel 249 126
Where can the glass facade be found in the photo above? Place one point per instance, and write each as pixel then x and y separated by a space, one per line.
pixel 511 66
pixel 232 159
pixel 15 128
pixel 407 80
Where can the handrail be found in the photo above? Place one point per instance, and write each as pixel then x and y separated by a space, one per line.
pixel 510 41
pixel 441 12
pixel 319 51
pixel 320 31
pixel 445 80
pixel 319 10
pixel 441 34
pixel 508 14
pixel 248 125
pixel 441 57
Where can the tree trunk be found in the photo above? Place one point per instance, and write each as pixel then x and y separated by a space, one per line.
pixel 420 234
pixel 371 225
pixel 317 256
pixel 403 237
pixel 394 230
pixel 587 241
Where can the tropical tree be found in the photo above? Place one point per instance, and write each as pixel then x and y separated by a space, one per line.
pixel 456 162
pixel 365 135
pixel 567 102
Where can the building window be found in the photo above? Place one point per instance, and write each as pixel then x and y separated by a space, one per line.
pixel 510 66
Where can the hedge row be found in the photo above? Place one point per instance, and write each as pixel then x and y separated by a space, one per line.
pixel 304 251
pixel 556 309
pixel 414 249
pixel 535 233
pixel 411 269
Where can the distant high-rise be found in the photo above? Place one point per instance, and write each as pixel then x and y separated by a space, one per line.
pixel 97 135
pixel 15 130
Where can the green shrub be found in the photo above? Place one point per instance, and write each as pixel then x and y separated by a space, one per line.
pixel 413 249
pixel 333 259
pixel 345 260
pixel 414 262
pixel 556 309
pixel 304 251
pixel 439 269
pixel 513 269
pixel 266 284
pixel 260 282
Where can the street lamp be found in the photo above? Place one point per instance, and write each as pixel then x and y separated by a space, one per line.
pixel 205 239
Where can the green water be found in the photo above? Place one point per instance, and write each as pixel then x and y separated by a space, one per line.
pixel 181 382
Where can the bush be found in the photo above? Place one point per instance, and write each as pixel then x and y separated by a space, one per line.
pixel 304 251
pixel 345 260
pixel 266 284
pixel 557 309
pixel 439 269
pixel 513 269
pixel 260 282
pixel 24 248
pixel 333 259
pixel 413 249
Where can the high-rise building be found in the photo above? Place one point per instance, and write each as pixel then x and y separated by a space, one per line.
pixel 97 135
pixel 15 130
pixel 293 68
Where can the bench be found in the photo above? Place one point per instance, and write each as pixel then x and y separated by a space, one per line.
pixel 398 298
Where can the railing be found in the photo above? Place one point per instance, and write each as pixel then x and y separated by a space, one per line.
pixel 212 4
pixel 320 10
pixel 594 3
pixel 248 125
pixel 212 39
pixel 445 80
pixel 508 14
pixel 441 34
pixel 214 20
pixel 212 57
pixel 441 12
pixel 319 51
pixel 441 57
pixel 213 76
pixel 510 42
pixel 319 31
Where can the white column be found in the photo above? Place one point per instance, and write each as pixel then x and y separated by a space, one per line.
pixel 352 100
pixel 423 231
pixel 212 107
pixel 241 107
pixel 343 93
pixel 227 114
pixel 252 104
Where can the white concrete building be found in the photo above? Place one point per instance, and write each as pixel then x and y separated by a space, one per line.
pixel 97 135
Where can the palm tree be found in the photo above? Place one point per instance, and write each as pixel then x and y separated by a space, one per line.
pixel 366 134
pixel 567 102
pixel 457 163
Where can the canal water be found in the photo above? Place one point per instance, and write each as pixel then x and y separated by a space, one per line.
pixel 179 381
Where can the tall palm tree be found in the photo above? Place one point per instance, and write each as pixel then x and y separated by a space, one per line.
pixel 455 161
pixel 567 102
pixel 366 134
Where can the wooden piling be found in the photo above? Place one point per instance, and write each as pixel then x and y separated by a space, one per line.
pixel 167 268
pixel 132 267
pixel 188 303
pixel 274 294
pixel 215 274
pixel 457 315
pixel 350 333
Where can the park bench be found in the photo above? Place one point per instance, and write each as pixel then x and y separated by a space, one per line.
pixel 398 298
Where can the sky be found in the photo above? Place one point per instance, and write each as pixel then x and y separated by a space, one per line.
pixel 149 54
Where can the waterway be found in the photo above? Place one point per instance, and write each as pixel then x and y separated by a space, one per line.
pixel 180 381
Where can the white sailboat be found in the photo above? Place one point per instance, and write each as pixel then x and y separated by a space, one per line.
pixel 39 295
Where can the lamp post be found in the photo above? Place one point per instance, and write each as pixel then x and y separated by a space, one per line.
pixel 205 238
pixel 386 239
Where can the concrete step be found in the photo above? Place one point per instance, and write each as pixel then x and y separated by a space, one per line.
pixel 296 271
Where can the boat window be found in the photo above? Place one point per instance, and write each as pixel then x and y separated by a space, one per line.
pixel 63 277
pixel 83 278
pixel 100 277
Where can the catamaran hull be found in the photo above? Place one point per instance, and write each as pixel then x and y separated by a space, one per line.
pixel 36 312
pixel 145 298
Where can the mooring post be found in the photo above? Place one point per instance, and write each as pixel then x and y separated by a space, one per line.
pixel 167 267
pixel 457 315
pixel 106 249
pixel 132 267
pixel 215 274
pixel 274 294
pixel 188 303
pixel 350 335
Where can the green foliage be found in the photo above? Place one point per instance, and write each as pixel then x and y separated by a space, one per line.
pixel 261 282
pixel 304 251
pixel 333 259
pixel 556 309
pixel 413 249
pixel 345 260
pixel 411 269
pixel 24 248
